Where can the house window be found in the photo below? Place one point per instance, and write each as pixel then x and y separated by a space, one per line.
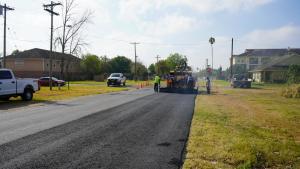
pixel 265 60
pixel 253 61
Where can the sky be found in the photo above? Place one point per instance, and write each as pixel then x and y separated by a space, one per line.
pixel 163 27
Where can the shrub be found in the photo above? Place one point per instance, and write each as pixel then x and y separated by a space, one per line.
pixel 292 91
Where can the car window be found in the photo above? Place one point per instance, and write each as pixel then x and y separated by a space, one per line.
pixel 5 75
pixel 115 75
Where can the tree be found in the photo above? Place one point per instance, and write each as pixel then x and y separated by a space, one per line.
pixel 141 70
pixel 69 38
pixel 162 67
pixel 90 64
pixel 15 52
pixel 151 69
pixel 293 74
pixel 104 65
pixel 176 60
pixel 120 64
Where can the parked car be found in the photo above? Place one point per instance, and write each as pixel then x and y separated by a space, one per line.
pixel 116 79
pixel 13 87
pixel 44 81
pixel 241 81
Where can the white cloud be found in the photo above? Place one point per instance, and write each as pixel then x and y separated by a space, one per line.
pixel 279 37
pixel 169 24
pixel 133 8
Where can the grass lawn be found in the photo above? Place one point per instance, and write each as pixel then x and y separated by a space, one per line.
pixel 244 128
pixel 75 91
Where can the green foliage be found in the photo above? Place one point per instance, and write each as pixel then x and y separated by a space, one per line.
pixel 162 67
pixel 293 74
pixel 151 69
pixel 176 60
pixel 90 65
pixel 141 71
pixel 15 52
pixel 120 64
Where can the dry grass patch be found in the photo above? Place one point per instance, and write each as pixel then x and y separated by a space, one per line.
pixel 244 128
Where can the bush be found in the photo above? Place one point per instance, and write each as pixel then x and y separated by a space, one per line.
pixel 294 74
pixel 292 91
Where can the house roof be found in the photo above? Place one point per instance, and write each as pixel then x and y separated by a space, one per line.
pixel 269 52
pixel 42 53
pixel 279 64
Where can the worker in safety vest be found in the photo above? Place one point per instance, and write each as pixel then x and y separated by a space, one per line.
pixel 156 83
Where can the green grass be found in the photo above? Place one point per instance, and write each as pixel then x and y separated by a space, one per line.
pixel 75 91
pixel 245 128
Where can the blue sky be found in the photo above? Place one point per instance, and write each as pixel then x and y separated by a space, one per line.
pixel 165 26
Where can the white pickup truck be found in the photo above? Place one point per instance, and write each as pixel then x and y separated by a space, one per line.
pixel 13 87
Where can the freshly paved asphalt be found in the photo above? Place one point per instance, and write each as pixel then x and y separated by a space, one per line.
pixel 149 132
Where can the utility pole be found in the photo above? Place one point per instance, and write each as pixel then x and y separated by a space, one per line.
pixel 4 9
pixel 135 56
pixel 49 8
pixel 157 60
pixel 231 59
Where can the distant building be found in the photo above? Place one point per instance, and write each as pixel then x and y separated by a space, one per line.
pixel 253 58
pixel 275 71
pixel 35 63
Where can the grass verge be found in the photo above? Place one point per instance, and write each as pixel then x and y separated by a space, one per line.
pixel 244 128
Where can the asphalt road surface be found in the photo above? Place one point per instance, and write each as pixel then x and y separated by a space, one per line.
pixel 147 133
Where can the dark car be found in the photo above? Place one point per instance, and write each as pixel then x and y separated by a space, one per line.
pixel 116 79
pixel 240 81
pixel 44 81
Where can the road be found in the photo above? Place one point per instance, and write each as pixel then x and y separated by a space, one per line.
pixel 147 132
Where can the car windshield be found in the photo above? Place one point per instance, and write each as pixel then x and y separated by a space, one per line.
pixel 115 75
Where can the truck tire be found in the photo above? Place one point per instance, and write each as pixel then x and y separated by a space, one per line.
pixel 27 95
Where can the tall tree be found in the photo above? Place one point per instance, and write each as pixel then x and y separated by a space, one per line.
pixel 176 60
pixel 90 64
pixel 69 37
pixel 141 70
pixel 120 64
pixel 151 69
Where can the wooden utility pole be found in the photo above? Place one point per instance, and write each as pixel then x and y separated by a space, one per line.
pixel 231 59
pixel 157 60
pixel 49 8
pixel 3 10
pixel 135 57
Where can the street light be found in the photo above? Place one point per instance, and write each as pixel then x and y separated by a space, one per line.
pixel 212 41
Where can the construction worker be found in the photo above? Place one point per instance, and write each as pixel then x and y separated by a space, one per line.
pixel 156 83
pixel 208 85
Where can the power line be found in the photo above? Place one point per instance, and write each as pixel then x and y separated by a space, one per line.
pixel 49 8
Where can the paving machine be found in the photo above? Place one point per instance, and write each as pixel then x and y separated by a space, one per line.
pixel 180 80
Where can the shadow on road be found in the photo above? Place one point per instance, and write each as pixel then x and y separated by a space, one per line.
pixel 12 104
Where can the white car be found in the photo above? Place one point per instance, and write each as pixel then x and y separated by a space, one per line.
pixel 116 79
pixel 12 87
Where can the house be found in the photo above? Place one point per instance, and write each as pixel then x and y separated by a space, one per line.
pixel 35 63
pixel 253 58
pixel 275 71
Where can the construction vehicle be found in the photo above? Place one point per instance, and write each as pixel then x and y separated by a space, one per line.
pixel 180 80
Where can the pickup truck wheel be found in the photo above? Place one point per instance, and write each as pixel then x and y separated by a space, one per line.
pixel 27 95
